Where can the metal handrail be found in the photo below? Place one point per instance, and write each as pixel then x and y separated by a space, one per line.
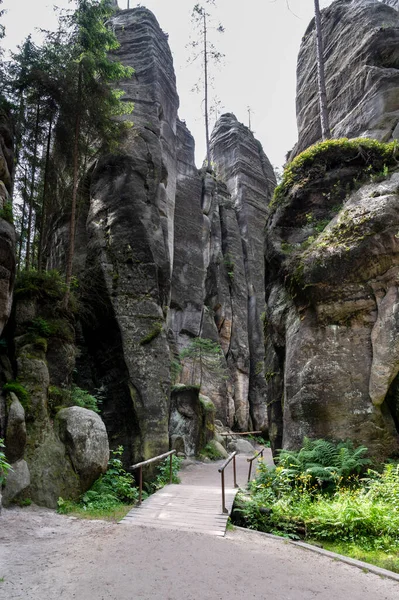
pixel 232 457
pixel 144 463
pixel 250 460
pixel 240 433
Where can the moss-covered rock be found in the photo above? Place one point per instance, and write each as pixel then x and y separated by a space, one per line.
pixel 333 272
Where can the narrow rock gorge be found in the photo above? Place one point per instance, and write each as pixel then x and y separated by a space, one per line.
pixel 205 298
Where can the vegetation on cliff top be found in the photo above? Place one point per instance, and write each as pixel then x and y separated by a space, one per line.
pixel 369 156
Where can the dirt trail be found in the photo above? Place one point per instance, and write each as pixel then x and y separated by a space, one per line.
pixel 44 556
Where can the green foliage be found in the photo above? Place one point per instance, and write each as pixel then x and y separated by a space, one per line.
pixel 40 326
pixel 323 462
pixel 83 399
pixel 209 451
pixel 163 475
pixel 208 355
pixel 5 467
pixel 152 334
pixel 6 213
pixel 19 390
pixel 59 398
pixel 175 370
pixel 42 284
pixel 317 494
pixel 386 559
pixel 47 328
pixel 370 156
pixel 108 493
pixel 229 264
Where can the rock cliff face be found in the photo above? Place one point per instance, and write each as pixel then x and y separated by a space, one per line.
pixel 241 163
pixel 167 255
pixel 218 275
pixel 362 77
pixel 53 452
pixel 332 309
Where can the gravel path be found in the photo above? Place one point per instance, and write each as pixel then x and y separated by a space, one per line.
pixel 45 556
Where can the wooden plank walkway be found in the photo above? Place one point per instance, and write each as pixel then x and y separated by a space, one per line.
pixel 193 505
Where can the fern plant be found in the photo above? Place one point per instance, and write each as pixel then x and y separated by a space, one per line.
pixel 324 462
pixel 5 466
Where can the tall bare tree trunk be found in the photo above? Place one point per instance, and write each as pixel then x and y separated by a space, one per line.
pixel 324 119
pixel 72 224
pixel 32 185
pixel 21 237
pixel 44 201
pixel 208 152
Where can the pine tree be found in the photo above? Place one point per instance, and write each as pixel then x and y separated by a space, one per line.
pixel 92 105
pixel 205 354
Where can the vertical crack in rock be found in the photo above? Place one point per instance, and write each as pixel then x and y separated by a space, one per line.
pixel 241 163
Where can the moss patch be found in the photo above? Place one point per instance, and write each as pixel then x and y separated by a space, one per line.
pixel 155 331
pixel 371 157
pixel 19 390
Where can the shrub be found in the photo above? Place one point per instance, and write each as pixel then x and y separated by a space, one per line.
pixel 323 462
pixel 32 283
pixel 316 493
pixel 83 399
pixel 19 390
pixel 5 466
pixel 113 488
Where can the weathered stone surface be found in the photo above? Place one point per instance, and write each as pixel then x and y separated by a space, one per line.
pixel 250 179
pixel 240 446
pixel 16 430
pixel 125 240
pixel 221 450
pixel 331 318
pixel 51 470
pixel 393 3
pixel 18 480
pixel 361 41
pixel 85 437
pixel 191 423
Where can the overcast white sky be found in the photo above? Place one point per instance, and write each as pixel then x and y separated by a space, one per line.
pixel 261 43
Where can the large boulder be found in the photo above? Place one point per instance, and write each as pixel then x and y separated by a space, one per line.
pixel 191 420
pixel 16 430
pixel 84 435
pixel 17 482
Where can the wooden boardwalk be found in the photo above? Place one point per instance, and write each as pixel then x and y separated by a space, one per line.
pixel 193 505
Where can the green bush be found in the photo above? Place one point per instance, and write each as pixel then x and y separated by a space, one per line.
pixel 33 283
pixel 19 390
pixel 323 463
pixel 83 399
pixel 5 467
pixel 317 493
pixel 112 489
pixel 209 451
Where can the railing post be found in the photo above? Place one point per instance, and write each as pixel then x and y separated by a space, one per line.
pixel 141 484
pixel 249 472
pixel 224 509
pixel 234 471
pixel 171 474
